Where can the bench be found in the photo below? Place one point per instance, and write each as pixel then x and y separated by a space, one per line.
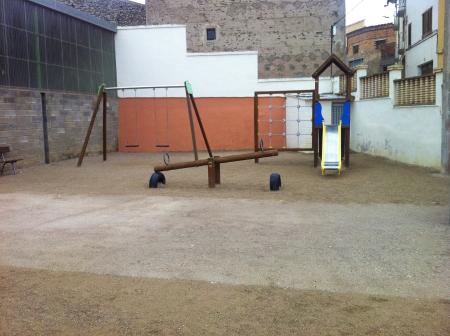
pixel 4 161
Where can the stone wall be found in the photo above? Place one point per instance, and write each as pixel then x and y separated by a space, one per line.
pixel 68 116
pixel 122 12
pixel 292 37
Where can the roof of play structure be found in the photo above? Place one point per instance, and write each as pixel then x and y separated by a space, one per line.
pixel 333 59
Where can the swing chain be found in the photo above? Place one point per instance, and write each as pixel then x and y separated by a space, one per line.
pixel 261 144
pixel 166 158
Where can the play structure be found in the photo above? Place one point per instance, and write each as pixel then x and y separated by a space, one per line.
pixel 290 120
pixel 332 146
pixel 293 121
pixel 213 162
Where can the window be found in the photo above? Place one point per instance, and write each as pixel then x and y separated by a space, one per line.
pixel 356 62
pixel 210 34
pixel 409 34
pixel 355 49
pixel 426 68
pixel 427 21
pixel 380 43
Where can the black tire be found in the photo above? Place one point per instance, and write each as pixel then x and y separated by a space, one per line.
pixel 275 182
pixel 162 178
pixel 155 179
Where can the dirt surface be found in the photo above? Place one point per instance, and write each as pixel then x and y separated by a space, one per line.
pixel 94 251
pixel 36 302
pixel 369 180
pixel 390 249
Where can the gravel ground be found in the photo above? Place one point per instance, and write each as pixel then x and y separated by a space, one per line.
pixel 36 302
pixel 94 249
pixel 369 180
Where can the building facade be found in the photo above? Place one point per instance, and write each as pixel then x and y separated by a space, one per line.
pixel 423 35
pixel 373 46
pixel 52 60
pixel 423 48
pixel 355 26
pixel 121 12
pixel 292 37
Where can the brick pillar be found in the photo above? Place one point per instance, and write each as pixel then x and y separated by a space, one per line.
pixel 395 72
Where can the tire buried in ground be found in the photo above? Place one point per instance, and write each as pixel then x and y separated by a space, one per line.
pixel 156 179
pixel 275 182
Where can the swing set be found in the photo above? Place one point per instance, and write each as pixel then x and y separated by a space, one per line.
pixel 213 162
pixel 102 97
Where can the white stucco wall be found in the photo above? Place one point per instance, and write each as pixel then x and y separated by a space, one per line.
pixel 421 51
pixel 410 134
pixel 293 84
pixel 156 55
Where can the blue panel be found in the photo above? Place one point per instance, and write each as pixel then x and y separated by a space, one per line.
pixel 346 114
pixel 318 118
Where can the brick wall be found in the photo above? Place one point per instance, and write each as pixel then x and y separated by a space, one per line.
pixel 122 12
pixel 365 38
pixel 68 116
pixel 292 37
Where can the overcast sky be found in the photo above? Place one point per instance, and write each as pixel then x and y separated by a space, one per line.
pixel 373 11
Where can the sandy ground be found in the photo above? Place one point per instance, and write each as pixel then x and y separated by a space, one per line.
pixel 92 250
pixel 34 302
pixel 368 180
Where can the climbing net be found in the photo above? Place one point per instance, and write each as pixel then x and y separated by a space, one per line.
pixel 284 120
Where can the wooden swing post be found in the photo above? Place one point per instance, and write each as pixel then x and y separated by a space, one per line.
pixel 101 95
pixel 188 90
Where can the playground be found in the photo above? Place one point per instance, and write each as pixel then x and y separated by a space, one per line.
pixel 150 188
pixel 371 242
pixel 172 236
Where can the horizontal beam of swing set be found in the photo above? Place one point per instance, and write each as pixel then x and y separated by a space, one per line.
pixel 144 87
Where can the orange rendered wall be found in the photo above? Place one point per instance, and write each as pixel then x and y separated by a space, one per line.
pixel 145 123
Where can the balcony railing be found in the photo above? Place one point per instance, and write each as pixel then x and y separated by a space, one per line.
pixel 416 90
pixel 375 86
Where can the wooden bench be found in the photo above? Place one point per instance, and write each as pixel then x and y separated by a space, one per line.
pixel 4 161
